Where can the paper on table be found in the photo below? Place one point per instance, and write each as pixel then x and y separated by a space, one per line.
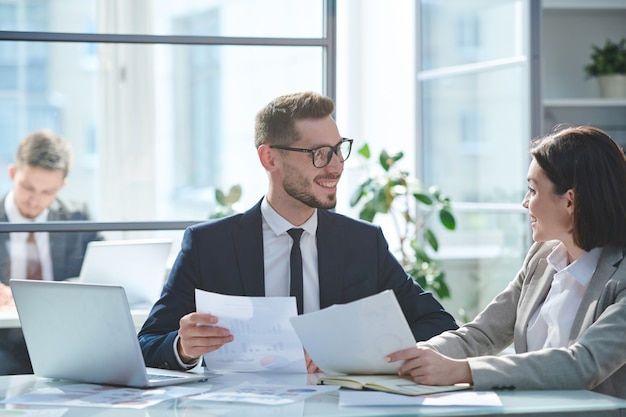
pixel 354 338
pixel 263 337
pixel 376 398
pixel 105 396
pixel 268 394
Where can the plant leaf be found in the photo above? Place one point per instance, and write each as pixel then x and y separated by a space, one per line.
pixel 233 195
pixel 220 197
pixel 447 219
pixel 420 254
pixel 423 198
pixel 364 151
pixel 367 212
pixel 359 193
pixel 431 239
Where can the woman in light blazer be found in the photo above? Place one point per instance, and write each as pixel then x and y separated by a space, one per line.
pixel 565 311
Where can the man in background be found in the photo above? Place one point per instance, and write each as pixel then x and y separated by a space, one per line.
pixel 42 163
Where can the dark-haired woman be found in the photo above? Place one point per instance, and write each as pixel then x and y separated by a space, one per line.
pixel 565 311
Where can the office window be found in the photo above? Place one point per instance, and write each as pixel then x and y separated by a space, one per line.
pixel 158 124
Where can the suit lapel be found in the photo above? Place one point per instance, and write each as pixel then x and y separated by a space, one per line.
pixel 610 257
pixel 248 241
pixel 331 240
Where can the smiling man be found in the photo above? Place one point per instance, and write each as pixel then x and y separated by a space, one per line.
pixel 342 259
pixel 42 162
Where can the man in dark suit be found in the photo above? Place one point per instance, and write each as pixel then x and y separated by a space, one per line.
pixel 42 162
pixel 248 254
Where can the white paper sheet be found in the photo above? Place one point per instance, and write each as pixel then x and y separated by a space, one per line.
pixel 348 398
pixel 264 339
pixel 354 338
pixel 57 412
pixel 267 394
pixel 105 396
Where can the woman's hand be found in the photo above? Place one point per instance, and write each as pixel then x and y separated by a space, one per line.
pixel 311 367
pixel 427 367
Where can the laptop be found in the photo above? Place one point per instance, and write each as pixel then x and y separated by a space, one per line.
pixel 140 266
pixel 85 332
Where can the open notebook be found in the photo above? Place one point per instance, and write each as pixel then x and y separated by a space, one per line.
pixel 138 265
pixel 85 332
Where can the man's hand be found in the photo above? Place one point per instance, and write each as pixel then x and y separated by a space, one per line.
pixel 425 366
pixel 6 296
pixel 199 335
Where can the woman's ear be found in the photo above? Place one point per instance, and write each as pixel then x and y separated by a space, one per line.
pixel 570 201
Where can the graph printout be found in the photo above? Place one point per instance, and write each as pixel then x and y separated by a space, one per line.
pixel 264 339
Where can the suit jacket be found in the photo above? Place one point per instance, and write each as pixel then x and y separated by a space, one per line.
pixel 226 257
pixel 595 356
pixel 67 250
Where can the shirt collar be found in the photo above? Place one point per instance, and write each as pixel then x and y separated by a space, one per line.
pixel 279 225
pixel 581 269
pixel 14 215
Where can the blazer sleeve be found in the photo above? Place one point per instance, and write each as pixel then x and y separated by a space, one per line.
pixel 493 329
pixel 159 331
pixel 595 357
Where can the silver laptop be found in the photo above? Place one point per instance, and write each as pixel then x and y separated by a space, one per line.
pixel 85 332
pixel 139 266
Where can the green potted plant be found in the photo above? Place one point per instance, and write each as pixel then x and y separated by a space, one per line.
pixel 410 205
pixel 608 65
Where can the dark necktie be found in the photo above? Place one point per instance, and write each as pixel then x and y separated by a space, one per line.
pixel 33 263
pixel 295 262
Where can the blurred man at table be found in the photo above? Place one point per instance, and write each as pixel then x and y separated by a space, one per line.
pixel 42 162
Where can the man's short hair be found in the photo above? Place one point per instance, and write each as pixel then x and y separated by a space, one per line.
pixel 44 149
pixel 275 123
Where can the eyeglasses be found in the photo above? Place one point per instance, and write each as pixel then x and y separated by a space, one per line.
pixel 321 156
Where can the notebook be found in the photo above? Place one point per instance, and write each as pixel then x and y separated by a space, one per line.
pixel 85 332
pixel 139 266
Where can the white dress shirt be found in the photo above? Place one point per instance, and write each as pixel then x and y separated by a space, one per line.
pixel 276 249
pixel 18 245
pixel 551 325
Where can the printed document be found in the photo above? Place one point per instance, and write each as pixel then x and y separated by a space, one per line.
pixel 264 339
pixel 354 338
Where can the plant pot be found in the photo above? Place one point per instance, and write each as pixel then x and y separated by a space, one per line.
pixel 612 86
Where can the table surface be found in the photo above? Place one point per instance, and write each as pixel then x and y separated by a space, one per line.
pixel 536 403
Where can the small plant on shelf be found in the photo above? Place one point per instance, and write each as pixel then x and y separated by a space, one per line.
pixel 608 59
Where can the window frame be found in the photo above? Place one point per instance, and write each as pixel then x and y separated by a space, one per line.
pixel 328 42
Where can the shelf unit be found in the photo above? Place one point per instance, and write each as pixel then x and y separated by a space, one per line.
pixel 569 29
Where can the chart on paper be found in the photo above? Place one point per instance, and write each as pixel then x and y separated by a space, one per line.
pixel 264 339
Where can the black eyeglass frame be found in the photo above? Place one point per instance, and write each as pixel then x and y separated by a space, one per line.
pixel 329 157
